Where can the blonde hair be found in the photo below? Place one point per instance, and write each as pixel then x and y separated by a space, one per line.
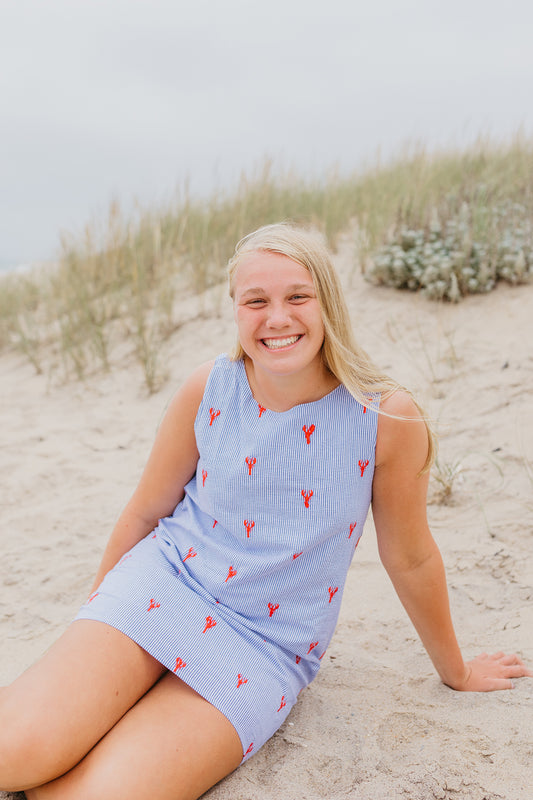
pixel 348 362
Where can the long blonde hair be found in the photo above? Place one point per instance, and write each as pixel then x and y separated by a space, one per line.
pixel 348 362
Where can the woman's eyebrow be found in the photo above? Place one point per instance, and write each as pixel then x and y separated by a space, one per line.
pixel 297 287
pixel 253 290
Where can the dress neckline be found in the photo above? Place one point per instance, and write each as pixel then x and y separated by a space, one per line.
pixel 244 379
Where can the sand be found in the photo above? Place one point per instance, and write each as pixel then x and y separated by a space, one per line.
pixel 376 723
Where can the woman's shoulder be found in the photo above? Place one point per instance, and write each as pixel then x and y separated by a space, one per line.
pixel 209 377
pixel 190 394
pixel 402 431
pixel 400 405
pixel 197 380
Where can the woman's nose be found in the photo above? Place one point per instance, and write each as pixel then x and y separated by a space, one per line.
pixel 278 316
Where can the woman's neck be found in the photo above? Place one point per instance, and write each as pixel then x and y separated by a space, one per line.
pixel 283 392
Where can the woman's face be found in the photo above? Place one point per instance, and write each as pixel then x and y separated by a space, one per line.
pixel 277 313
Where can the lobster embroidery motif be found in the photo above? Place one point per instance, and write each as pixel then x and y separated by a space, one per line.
pixel 191 553
pixel 213 414
pixel 332 592
pixel 307 496
pixel 209 623
pixel 308 432
pixel 272 608
pixel 363 465
pixel 369 400
pixel 251 464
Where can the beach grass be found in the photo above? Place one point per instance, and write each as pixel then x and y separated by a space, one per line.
pixel 120 277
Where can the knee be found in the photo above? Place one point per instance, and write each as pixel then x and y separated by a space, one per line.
pixel 11 749
pixel 23 750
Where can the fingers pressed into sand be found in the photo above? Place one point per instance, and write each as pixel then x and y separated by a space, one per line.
pixel 493 672
pixel 57 710
pixel 172 745
pixel 511 665
pixel 512 660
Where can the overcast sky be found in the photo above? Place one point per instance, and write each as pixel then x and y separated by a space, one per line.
pixel 128 98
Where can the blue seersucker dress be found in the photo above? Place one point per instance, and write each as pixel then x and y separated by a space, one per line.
pixel 238 592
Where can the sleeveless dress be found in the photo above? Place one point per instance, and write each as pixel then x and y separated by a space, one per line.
pixel 238 592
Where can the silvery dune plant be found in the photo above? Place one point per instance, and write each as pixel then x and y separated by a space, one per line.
pixel 467 254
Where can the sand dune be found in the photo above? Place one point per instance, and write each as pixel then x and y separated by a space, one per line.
pixel 376 723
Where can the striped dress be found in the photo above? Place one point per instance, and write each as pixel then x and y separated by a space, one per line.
pixel 238 592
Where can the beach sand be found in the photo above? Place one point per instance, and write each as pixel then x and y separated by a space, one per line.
pixel 376 723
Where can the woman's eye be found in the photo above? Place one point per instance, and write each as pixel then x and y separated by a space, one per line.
pixel 256 302
pixel 298 298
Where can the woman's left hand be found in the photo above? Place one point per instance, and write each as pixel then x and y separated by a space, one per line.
pixel 488 673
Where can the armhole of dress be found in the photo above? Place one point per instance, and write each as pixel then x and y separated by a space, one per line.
pixel 219 366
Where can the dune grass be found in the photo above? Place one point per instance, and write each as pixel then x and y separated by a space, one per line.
pixel 120 278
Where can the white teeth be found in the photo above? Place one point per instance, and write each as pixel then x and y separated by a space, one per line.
pixel 274 344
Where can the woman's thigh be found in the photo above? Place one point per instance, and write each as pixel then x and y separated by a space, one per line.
pixel 57 710
pixel 172 745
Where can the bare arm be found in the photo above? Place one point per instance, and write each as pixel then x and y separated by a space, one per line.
pixel 171 465
pixel 412 558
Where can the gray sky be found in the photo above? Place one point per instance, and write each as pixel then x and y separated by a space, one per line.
pixel 127 98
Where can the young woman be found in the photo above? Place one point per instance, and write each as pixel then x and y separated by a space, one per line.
pixel 221 584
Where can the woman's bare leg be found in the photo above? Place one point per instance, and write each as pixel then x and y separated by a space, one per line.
pixel 65 703
pixel 172 745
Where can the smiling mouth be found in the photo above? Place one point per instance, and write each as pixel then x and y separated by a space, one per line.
pixel 277 344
